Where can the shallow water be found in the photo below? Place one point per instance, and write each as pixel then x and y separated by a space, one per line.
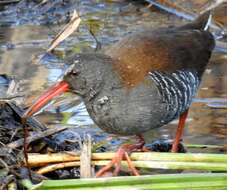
pixel 23 40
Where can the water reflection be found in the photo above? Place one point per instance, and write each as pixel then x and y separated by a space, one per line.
pixel 81 117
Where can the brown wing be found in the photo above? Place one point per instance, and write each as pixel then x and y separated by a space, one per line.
pixel 165 50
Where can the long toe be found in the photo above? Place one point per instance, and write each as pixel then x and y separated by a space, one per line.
pixel 131 165
pixel 123 153
pixel 105 169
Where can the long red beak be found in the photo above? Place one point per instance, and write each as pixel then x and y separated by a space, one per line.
pixel 53 91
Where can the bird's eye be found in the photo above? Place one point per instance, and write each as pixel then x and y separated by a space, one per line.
pixel 74 72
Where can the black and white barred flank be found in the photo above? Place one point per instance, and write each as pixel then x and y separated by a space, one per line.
pixel 177 90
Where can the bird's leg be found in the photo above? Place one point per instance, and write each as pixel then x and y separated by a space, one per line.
pixel 123 153
pixel 179 132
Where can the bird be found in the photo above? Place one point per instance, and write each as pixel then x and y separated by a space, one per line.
pixel 142 82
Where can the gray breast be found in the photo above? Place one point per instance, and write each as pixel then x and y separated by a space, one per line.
pixel 177 90
pixel 144 107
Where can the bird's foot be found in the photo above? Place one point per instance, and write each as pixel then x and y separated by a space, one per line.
pixel 122 154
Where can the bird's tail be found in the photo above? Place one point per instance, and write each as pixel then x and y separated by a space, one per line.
pixel 202 22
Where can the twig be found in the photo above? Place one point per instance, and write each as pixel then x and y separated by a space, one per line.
pixel 53 167
pixel 35 137
pixel 98 44
pixel 175 165
pixel 173 8
pixel 85 158
pixel 43 159
pixel 35 160
pixel 212 5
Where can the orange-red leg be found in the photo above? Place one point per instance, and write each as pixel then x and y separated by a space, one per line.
pixel 122 153
pixel 179 132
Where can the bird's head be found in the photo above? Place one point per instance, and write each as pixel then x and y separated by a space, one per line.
pixel 84 73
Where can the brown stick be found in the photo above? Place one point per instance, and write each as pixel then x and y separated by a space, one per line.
pixel 85 158
pixel 54 167
pixel 35 160
pixel 35 137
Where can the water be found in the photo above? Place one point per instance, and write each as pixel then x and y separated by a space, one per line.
pixel 25 36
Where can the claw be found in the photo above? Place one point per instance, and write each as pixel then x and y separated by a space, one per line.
pixel 131 165
pixel 122 153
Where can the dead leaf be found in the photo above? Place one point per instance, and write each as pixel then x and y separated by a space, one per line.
pixel 66 31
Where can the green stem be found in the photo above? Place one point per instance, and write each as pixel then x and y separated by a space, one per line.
pixel 204 146
pixel 153 182
pixel 205 166
pixel 161 156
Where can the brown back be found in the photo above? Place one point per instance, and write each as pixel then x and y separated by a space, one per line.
pixel 164 50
